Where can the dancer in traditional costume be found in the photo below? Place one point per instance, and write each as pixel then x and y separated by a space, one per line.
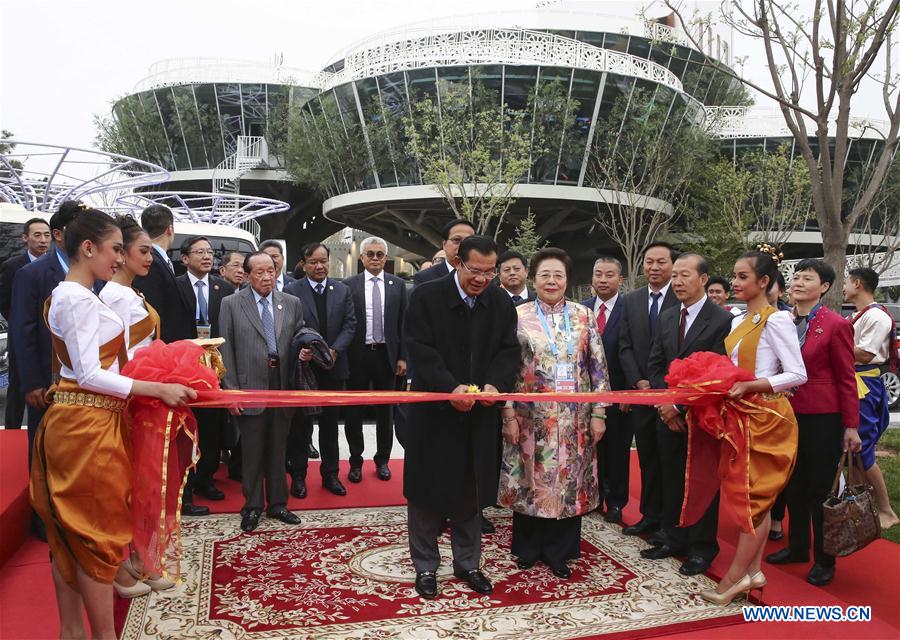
pixel 81 476
pixel 762 341
pixel 549 468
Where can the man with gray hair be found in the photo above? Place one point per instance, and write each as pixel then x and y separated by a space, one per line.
pixel 376 354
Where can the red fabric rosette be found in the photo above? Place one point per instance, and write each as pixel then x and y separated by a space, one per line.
pixel 718 437
pixel 163 443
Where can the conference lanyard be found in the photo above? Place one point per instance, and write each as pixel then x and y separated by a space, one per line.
pixel 570 349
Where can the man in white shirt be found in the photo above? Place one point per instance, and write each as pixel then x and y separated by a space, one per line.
pixel 873 338
pixel 513 273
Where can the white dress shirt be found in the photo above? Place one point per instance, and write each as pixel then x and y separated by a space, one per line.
pixel 31 256
pixel 194 280
pixel 778 356
pixel 650 293
pixel 872 332
pixel 609 304
pixel 523 293
pixel 130 307
pixel 313 284
pixel 279 281
pixel 370 316
pixel 270 298
pixel 81 320
pixel 164 255
pixel 693 311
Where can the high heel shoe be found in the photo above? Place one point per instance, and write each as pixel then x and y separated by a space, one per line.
pixel 739 588
pixel 758 582
pixel 156 584
pixel 136 590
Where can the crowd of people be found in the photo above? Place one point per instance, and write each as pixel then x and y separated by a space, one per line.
pixel 105 288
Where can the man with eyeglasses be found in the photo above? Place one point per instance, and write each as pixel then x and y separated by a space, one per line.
pixel 513 273
pixel 232 269
pixel 376 354
pixel 204 292
pixel 460 331
pixel 453 233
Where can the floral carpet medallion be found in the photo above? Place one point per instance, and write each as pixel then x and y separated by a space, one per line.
pixel 346 574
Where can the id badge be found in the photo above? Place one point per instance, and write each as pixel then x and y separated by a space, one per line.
pixel 203 331
pixel 565 378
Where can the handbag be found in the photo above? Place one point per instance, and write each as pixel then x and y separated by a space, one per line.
pixel 850 516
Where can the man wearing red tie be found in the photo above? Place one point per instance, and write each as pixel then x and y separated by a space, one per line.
pixel 614 450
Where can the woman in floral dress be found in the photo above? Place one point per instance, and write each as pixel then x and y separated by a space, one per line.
pixel 549 469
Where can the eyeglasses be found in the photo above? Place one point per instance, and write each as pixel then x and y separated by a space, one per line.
pixel 202 252
pixel 478 273
pixel 375 255
pixel 550 275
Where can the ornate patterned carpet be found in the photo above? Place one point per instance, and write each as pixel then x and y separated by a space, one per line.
pixel 346 574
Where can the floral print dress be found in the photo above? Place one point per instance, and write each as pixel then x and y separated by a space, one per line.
pixel 552 471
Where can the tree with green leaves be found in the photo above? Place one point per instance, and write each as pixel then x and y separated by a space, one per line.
pixel 526 240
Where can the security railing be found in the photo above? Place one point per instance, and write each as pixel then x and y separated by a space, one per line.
pixel 752 122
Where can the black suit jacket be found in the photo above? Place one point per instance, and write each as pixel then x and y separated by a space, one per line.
pixel 634 336
pixel 218 289
pixel 160 288
pixel 7 272
pixel 707 333
pixel 434 272
pixel 29 336
pixel 611 342
pixel 341 320
pixel 394 292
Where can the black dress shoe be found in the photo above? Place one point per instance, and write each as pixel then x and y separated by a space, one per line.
pixel 191 509
pixel 614 515
pixel 641 526
pixel 657 538
pixel 250 520
pixel 820 575
pixel 426 584
pixel 562 572
pixel 209 492
pixel 332 484
pixel 487 526
pixel 383 472
pixel 524 565
pixel 694 565
pixel 776 535
pixel 285 516
pixel 659 552
pixel 298 487
pixel 787 556
pixel 355 475
pixel 312 453
pixel 476 580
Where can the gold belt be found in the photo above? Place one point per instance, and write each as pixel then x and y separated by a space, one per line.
pixel 773 396
pixel 82 399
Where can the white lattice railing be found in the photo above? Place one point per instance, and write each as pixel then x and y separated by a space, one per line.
pixel 753 122
pixel 491 46
pixel 179 71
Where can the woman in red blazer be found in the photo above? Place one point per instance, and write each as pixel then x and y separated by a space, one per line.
pixel 827 410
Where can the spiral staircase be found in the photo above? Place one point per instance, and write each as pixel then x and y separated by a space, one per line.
pixel 251 152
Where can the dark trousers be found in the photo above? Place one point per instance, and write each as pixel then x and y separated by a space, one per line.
pixel 15 398
pixel 211 424
pixel 370 369
pixel 700 538
pixel 777 511
pixel 34 420
pixel 263 441
pixel 298 442
pixel 643 421
pixel 425 526
pixel 614 459
pixel 818 452
pixel 547 539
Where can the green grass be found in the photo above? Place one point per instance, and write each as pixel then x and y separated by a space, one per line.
pixel 890 467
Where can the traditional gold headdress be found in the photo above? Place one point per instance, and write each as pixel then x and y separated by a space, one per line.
pixel 776 255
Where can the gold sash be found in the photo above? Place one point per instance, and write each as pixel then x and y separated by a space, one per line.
pixel 109 352
pixel 148 326
pixel 748 334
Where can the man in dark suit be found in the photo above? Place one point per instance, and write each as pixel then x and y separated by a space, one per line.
pixel 640 315
pixel 258 324
pixel 513 274
pixel 614 450
pixel 29 337
pixel 460 330
pixel 204 292
pixel 328 309
pixel 697 324
pixel 176 312
pixel 376 355
pixel 274 249
pixel 453 233
pixel 37 238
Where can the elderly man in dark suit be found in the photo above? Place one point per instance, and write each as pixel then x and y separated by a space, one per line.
pixel 697 324
pixel 460 330
pixel 204 293
pixel 37 238
pixel 640 316
pixel 614 450
pixel 376 355
pixel 258 324
pixel 453 233
pixel 327 309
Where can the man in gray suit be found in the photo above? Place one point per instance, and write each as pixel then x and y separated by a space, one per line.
pixel 258 324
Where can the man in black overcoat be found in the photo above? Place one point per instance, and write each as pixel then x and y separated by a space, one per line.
pixel 697 324
pixel 460 330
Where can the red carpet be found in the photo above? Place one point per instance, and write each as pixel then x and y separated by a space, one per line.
pixel 15 511
pixel 870 577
